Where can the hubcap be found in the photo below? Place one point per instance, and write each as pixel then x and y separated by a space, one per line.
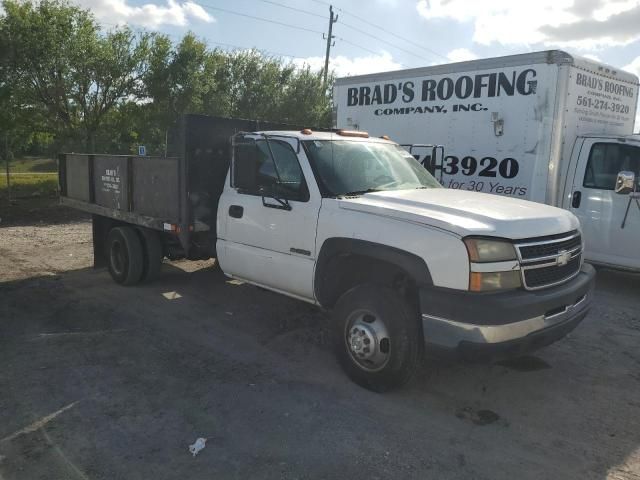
pixel 367 340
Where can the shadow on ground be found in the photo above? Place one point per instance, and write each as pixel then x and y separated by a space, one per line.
pixel 37 211
pixel 144 371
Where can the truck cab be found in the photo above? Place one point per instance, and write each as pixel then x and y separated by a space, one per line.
pixel 356 225
pixel 602 191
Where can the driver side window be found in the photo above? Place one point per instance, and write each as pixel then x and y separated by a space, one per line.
pixel 257 173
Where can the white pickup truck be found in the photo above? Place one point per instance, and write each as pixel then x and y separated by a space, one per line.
pixel 355 225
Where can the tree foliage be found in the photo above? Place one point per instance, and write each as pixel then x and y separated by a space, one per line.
pixel 63 78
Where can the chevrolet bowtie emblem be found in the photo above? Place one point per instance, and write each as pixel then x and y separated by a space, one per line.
pixel 563 258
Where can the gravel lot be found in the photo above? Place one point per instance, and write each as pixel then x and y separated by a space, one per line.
pixel 99 381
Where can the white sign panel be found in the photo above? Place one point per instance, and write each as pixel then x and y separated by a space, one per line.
pixel 487 120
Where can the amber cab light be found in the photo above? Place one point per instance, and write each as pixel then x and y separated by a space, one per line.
pixel 353 133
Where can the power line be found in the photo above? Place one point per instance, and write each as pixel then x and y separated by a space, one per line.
pixel 259 49
pixel 322 3
pixel 379 27
pixel 261 19
pixel 352 27
pixel 383 41
pixel 307 12
pixel 359 30
pixel 231 45
pixel 364 48
pixel 285 24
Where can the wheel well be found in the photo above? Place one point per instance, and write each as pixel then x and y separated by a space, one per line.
pixel 345 262
pixel 345 271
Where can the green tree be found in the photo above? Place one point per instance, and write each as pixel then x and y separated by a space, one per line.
pixel 179 80
pixel 62 77
pixel 62 63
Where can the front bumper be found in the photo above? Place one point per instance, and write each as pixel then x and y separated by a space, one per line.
pixel 506 323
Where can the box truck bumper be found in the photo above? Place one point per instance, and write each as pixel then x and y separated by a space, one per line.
pixel 506 324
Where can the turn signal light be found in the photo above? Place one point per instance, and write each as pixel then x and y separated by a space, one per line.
pixel 492 281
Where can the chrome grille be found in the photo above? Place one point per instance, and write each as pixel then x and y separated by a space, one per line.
pixel 549 261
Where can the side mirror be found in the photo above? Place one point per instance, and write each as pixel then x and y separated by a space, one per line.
pixel 625 183
pixel 269 191
pixel 245 165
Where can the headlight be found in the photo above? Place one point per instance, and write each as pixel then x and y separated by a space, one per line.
pixel 483 250
pixel 488 281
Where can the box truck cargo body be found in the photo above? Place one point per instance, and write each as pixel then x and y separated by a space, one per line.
pixel 545 126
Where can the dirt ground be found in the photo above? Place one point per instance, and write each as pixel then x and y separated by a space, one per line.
pixel 99 381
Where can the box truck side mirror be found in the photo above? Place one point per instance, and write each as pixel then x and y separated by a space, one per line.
pixel 625 183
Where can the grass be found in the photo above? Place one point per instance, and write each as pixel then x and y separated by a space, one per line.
pixel 30 177
pixel 29 185
pixel 32 165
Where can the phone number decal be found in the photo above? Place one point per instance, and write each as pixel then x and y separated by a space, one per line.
pixel 487 166
pixel 597 104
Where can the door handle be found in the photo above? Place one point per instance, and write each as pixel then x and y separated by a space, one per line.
pixel 576 199
pixel 236 211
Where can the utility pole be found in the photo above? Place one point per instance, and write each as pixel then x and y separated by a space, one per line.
pixel 330 43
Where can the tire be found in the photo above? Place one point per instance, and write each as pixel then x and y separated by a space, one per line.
pixel 124 255
pixel 152 254
pixel 375 315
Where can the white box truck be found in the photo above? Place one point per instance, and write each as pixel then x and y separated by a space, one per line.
pixel 546 126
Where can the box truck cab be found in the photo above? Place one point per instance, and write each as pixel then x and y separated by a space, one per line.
pixel 546 126
pixel 601 190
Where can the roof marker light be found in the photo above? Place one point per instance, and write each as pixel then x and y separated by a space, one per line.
pixel 353 133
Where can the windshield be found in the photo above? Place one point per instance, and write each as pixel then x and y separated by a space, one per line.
pixel 348 167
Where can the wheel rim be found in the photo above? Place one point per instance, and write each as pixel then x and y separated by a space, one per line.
pixel 117 257
pixel 367 340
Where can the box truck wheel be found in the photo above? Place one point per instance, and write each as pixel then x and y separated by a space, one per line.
pixel 125 255
pixel 377 337
pixel 152 254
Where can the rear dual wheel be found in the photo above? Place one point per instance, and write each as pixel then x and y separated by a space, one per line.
pixel 133 254
pixel 153 255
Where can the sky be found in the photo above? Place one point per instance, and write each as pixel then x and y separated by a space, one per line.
pixel 382 35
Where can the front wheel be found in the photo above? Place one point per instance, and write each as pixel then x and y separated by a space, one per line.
pixel 377 337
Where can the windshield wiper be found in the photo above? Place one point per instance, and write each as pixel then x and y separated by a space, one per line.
pixel 360 192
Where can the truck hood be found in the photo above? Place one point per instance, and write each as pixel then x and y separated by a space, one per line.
pixel 466 213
